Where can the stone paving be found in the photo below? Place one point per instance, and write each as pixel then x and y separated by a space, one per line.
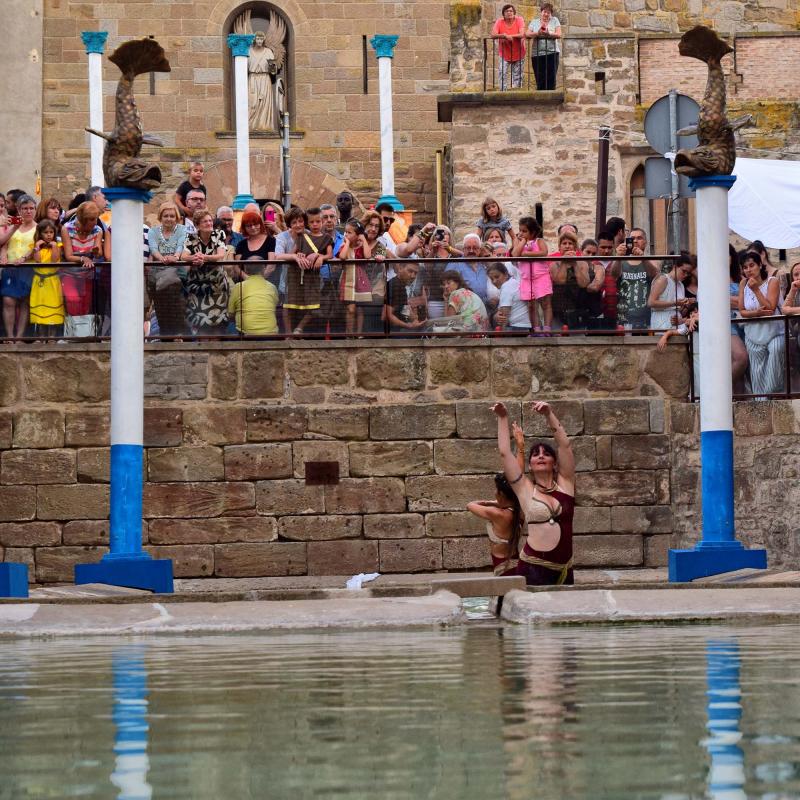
pixel 423 599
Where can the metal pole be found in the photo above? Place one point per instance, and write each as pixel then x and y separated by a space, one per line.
pixel 439 188
pixel 675 215
pixel 601 207
pixel 286 189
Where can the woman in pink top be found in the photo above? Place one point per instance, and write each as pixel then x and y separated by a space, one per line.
pixel 509 30
pixel 535 282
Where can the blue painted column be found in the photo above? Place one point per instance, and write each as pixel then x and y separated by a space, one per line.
pixel 131 762
pixel 718 550
pixel 95 44
pixel 384 50
pixel 127 564
pixel 726 775
pixel 13 579
pixel 239 44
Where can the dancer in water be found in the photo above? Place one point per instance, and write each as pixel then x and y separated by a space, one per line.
pixel 547 500
pixel 503 517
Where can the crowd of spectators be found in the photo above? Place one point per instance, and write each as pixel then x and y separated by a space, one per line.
pixel 332 271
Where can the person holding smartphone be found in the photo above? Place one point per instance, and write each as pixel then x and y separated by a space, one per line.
pixel 546 50
pixel 634 277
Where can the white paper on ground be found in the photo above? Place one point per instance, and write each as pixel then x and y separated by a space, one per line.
pixel 362 577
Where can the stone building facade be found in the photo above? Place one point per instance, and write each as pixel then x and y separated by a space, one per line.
pixel 542 150
pixel 228 432
pixel 617 59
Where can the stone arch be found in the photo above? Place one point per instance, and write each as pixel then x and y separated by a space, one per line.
pixel 311 185
pixel 222 19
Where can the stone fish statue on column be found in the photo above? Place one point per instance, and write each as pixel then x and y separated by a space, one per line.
pixel 122 166
pixel 716 150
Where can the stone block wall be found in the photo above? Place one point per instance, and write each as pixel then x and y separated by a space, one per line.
pixel 545 152
pixel 229 429
pixel 767 467
pixel 337 124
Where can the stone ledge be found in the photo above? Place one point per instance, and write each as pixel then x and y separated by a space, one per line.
pixel 446 102
pixel 648 605
pixel 243 345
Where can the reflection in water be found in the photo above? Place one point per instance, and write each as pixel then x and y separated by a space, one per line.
pixel 726 777
pixel 131 763
pixel 474 712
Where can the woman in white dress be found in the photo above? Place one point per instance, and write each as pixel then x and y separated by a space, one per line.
pixel 668 295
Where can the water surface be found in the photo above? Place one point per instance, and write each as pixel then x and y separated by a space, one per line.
pixel 475 712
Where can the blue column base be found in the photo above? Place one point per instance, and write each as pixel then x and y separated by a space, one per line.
pixel 713 559
pixel 137 572
pixel 392 200
pixel 13 579
pixel 241 200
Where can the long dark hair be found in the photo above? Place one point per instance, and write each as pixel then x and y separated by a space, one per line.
pixel 504 488
pixel 754 255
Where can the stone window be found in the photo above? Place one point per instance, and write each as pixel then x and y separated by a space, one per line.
pixel 270 66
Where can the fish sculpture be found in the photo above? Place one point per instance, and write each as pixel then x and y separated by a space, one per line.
pixel 716 150
pixel 121 163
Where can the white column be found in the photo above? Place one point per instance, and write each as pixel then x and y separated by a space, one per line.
pixel 718 550
pixel 384 50
pixel 239 44
pixel 126 564
pixel 95 43
pixel 127 301
pixel 713 297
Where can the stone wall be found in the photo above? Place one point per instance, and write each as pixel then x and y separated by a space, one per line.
pixel 544 148
pixel 767 467
pixel 540 151
pixel 21 93
pixel 229 428
pixel 337 139
pixel 338 132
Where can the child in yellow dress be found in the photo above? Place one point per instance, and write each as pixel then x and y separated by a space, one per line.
pixel 47 300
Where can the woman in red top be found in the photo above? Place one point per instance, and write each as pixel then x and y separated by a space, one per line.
pixel 547 501
pixel 509 30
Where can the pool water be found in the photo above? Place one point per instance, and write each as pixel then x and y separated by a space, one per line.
pixel 480 711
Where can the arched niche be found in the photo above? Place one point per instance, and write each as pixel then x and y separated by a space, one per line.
pixel 259 16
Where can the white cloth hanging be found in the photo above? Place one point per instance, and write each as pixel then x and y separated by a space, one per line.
pixel 764 203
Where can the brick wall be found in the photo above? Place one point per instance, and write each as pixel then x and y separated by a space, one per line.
pixel 769 67
pixel 229 430
pixel 661 68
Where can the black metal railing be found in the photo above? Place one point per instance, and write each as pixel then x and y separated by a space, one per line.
pixel 533 71
pixel 772 358
pixel 356 298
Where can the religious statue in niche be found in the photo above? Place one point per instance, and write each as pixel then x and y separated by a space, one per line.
pixel 265 70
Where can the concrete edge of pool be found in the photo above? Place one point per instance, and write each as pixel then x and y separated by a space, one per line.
pixel 652 605
pixel 28 620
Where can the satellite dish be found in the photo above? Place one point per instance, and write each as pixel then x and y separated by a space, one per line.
pixel 656 122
